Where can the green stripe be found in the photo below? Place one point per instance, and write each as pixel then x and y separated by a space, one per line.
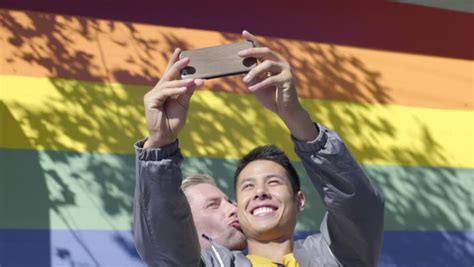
pixel 454 5
pixel 66 190
pixel 416 198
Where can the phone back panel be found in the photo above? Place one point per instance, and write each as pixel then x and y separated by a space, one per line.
pixel 217 61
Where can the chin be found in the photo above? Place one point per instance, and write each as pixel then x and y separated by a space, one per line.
pixel 236 242
pixel 240 245
pixel 269 233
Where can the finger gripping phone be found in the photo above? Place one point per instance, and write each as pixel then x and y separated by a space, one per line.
pixel 217 61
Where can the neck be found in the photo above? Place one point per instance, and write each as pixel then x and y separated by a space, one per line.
pixel 273 250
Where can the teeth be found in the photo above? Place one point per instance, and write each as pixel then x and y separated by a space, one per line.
pixel 262 211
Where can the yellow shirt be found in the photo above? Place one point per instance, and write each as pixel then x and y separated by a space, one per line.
pixel 287 261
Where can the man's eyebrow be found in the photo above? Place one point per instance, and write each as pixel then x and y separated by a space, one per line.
pixel 273 175
pixel 212 199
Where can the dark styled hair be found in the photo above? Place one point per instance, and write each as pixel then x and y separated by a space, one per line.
pixel 272 153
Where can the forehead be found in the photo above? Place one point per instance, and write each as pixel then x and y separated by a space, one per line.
pixel 202 192
pixel 261 169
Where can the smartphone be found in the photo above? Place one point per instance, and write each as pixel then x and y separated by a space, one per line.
pixel 217 61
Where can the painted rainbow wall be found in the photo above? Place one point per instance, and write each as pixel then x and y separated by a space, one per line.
pixel 71 92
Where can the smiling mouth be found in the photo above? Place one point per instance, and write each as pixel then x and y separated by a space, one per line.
pixel 263 211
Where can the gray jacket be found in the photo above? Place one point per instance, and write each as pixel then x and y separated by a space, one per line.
pixel 351 231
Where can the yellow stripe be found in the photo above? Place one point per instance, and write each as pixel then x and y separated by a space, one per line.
pixel 70 115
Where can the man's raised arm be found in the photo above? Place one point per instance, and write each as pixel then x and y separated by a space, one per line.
pixel 353 225
pixel 164 230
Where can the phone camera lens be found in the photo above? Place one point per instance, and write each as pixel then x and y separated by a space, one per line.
pixel 188 70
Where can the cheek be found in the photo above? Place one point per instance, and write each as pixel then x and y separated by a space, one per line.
pixel 199 222
pixel 241 207
pixel 285 195
pixel 241 204
pixel 209 220
pixel 289 202
pixel 240 213
pixel 245 222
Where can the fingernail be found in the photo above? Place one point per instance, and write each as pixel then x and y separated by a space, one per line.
pixel 246 78
pixel 199 82
pixel 242 53
pixel 251 88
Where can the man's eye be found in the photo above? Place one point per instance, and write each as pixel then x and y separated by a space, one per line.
pixel 212 205
pixel 247 186
pixel 274 182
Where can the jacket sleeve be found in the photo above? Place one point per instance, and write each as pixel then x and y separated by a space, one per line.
pixel 353 225
pixel 164 230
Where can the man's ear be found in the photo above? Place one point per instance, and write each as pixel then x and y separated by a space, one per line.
pixel 300 201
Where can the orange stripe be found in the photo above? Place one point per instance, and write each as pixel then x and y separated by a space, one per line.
pixel 46 45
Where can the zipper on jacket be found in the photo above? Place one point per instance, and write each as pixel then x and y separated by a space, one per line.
pixel 214 250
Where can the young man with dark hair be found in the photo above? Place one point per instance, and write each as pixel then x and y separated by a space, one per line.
pixel 266 186
pixel 270 152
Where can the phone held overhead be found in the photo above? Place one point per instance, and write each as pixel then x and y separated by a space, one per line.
pixel 217 61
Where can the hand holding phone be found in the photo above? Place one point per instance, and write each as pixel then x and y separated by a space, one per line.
pixel 217 61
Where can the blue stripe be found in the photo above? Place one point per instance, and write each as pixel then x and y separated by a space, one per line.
pixel 116 248
pixel 67 248
pixel 424 248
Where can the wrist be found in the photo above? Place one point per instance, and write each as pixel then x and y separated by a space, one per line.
pixel 301 125
pixel 153 142
pixel 293 114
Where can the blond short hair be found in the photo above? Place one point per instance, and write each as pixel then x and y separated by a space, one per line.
pixel 197 179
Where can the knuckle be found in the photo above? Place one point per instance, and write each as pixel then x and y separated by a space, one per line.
pixel 251 73
pixel 176 67
pixel 271 79
pixel 146 96
pixel 173 69
pixel 266 64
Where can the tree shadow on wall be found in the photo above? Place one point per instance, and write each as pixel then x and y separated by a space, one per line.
pixel 87 112
pixel 103 181
pixel 24 210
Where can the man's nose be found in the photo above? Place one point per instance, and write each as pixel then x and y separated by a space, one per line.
pixel 261 192
pixel 232 209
